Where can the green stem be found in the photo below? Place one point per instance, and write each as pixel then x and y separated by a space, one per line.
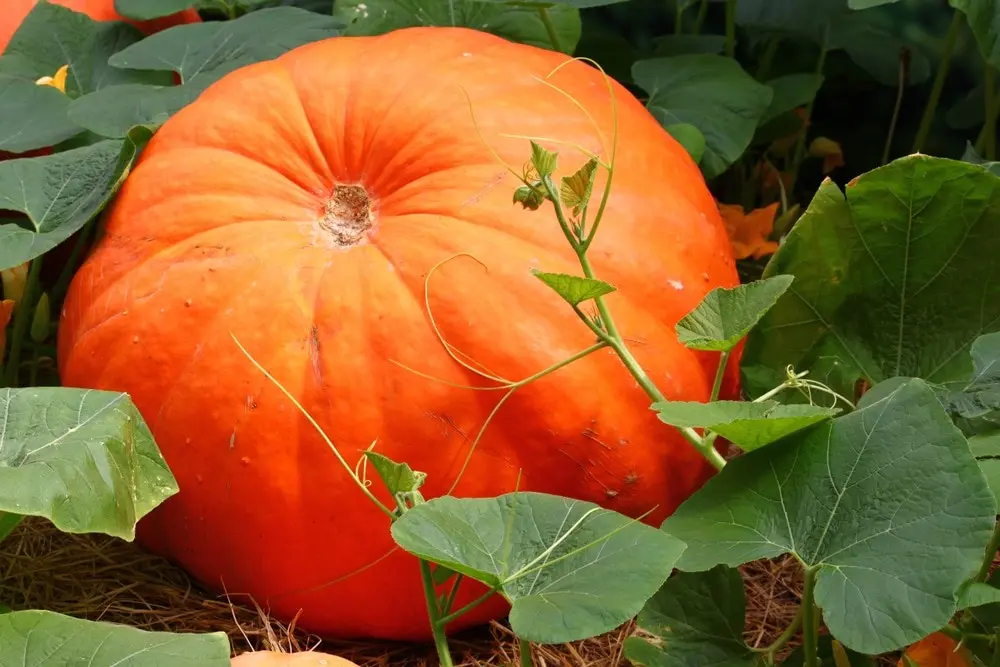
pixel 452 594
pixel 810 620
pixel 680 6
pixel 720 374
pixel 800 146
pixel 8 522
pixel 990 126
pixel 437 627
pixel 995 661
pixel 33 378
pixel 930 110
pixel 550 28
pixel 699 21
pixel 445 620
pixel 772 649
pixel 25 310
pixel 731 28
pixel 767 59
pixel 69 269
pixel 904 75
pixel 613 338
pixel 991 552
pixel 525 650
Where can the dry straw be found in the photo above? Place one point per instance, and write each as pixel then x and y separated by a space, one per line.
pixel 104 578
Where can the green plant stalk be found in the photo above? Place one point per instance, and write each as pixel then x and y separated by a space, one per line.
pixel 550 28
pixel 612 337
pixel 21 322
pixel 69 269
pixel 991 551
pixel 525 650
pixel 800 146
pixel 699 21
pixel 767 59
pixel 445 620
pixel 995 660
pixel 772 649
pixel 437 627
pixel 679 8
pixel 731 28
pixel 810 620
pixel 8 522
pixel 904 74
pixel 720 374
pixel 990 125
pixel 930 109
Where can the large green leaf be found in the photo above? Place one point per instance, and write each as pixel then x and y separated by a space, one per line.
pixel 33 116
pixel 979 394
pixel 986 448
pixel 984 19
pixel 52 36
pixel 697 618
pixel 876 50
pixel 60 193
pixel 747 424
pixel 201 53
pixel 571 569
pixel 886 502
pixel 710 92
pixel 144 10
pixel 726 314
pixel 897 276
pixel 790 92
pixel 789 15
pixel 518 24
pixel 47 639
pixel 82 459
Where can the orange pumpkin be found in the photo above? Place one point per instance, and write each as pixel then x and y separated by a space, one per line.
pixel 14 11
pixel 303 659
pixel 298 205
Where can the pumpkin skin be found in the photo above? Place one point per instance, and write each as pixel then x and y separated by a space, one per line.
pixel 302 659
pixel 14 12
pixel 228 226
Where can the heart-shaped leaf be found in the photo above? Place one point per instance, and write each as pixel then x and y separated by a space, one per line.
pixel 727 314
pixel 82 459
pixel 33 116
pixel 697 618
pixel 571 569
pixel 710 92
pixel 47 639
pixel 144 10
pixel 60 193
pixel 896 276
pixel 746 424
pixel 512 21
pixel 901 559
pixel 574 289
pixel 984 20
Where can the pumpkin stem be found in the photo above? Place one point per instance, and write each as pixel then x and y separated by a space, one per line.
pixel 348 215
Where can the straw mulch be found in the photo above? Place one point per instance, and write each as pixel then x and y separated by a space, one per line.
pixel 108 579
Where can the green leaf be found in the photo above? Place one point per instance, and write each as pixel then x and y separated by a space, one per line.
pixel 791 92
pixel 144 10
pixel 978 395
pixel 840 496
pixel 201 53
pixel 972 157
pixel 726 315
pixel 986 448
pixel 570 569
pixel 33 116
pixel 60 193
pixel 794 16
pixel 868 4
pixel 46 639
pixel 677 45
pixel 690 137
pixel 398 477
pixel 574 289
pixel 697 618
pixel 576 189
pixel 115 110
pixel 893 278
pixel 542 160
pixel 711 92
pixel 984 20
pixel 517 23
pixel 876 50
pixel 530 198
pixel 746 424
pixel 52 36
pixel 82 459
pixel 976 594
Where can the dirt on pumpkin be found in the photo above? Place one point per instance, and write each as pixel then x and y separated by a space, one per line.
pixel 103 578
